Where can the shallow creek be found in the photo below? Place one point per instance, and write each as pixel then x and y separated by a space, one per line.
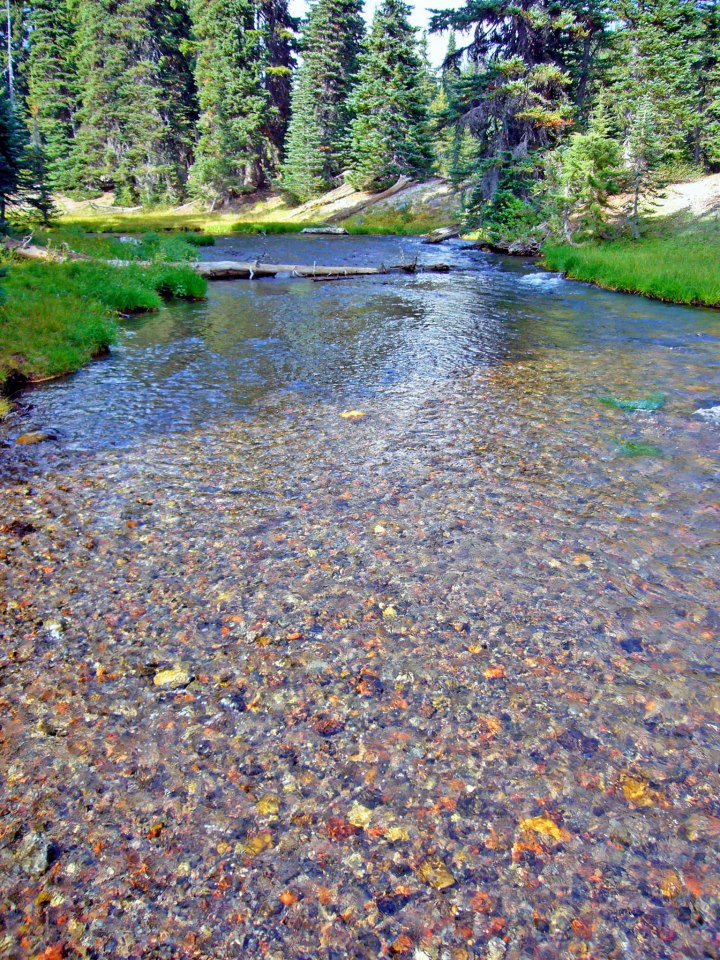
pixel 445 677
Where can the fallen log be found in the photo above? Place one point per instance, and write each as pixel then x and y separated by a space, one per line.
pixel 239 270
pixel 326 231
pixel 441 235
pixel 232 270
pixel 25 248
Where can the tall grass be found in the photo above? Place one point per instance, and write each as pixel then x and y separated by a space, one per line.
pixel 270 227
pixel 57 316
pixel 681 267
pixel 407 220
pixel 148 246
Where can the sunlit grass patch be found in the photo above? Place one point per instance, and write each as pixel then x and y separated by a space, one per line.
pixel 259 227
pixel 395 221
pixel 57 316
pixel 681 267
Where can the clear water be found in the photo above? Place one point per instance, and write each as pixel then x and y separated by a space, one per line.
pixel 478 624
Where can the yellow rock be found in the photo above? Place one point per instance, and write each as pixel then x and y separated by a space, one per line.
pixel 268 806
pixel 434 872
pixel 353 415
pixel 637 791
pixel 380 528
pixel 671 885
pixel 389 613
pixel 545 827
pixel 259 843
pixel 35 437
pixel 359 816
pixel 397 833
pixel 172 679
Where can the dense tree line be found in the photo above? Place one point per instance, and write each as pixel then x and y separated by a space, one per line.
pixel 541 110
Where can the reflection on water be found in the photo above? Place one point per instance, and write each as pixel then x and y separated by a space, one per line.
pixel 193 364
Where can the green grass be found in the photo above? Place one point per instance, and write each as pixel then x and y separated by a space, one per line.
pixel 147 246
pixel 681 267
pixel 170 221
pixel 271 227
pixel 395 221
pixel 57 316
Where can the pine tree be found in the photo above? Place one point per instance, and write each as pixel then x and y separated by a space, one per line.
pixel 10 156
pixel 317 144
pixel 517 100
pixel 278 27
pixel 643 157
pixel 581 176
pixel 135 120
pixel 390 132
pixel 35 179
pixel 707 73
pixel 657 51
pixel 233 153
pixel 52 85
pixel 455 148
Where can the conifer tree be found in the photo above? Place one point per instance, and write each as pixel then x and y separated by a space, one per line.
pixel 581 176
pixel 317 144
pixel 233 152
pixel 35 179
pixel 455 148
pixel 657 51
pixel 707 73
pixel 52 85
pixel 135 120
pixel 278 27
pixel 10 155
pixel 390 131
pixel 643 156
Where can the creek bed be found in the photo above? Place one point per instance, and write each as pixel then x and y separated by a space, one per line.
pixel 444 676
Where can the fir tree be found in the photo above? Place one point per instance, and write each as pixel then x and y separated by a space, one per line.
pixel 317 144
pixel 52 85
pixel 35 179
pixel 135 120
pixel 10 156
pixel 233 153
pixel 707 73
pixel 516 102
pixel 581 177
pixel 390 132
pixel 278 27
pixel 455 148
pixel 643 155
pixel 657 50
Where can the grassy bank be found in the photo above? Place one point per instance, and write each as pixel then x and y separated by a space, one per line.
pixel 54 316
pixel 681 266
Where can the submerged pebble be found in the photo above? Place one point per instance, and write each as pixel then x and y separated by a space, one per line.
pixel 441 683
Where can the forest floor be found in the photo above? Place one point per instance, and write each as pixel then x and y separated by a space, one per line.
pixel 408 208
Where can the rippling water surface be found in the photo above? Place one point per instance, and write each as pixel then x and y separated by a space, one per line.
pixel 449 674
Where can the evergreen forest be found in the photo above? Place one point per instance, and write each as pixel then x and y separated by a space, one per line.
pixel 541 110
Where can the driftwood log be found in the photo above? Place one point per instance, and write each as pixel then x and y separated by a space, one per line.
pixel 238 270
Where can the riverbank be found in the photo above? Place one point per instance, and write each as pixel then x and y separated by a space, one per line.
pixel 58 315
pixel 679 267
